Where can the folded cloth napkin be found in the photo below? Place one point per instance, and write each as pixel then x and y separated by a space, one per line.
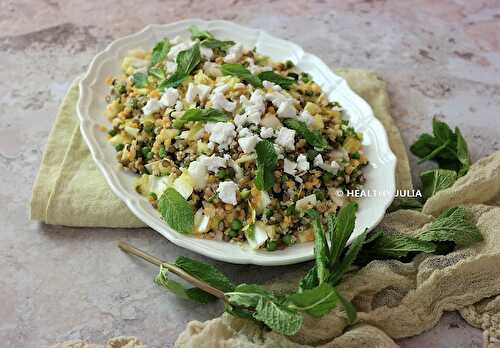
pixel 393 299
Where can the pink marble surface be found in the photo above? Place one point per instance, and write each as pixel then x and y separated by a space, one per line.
pixel 60 283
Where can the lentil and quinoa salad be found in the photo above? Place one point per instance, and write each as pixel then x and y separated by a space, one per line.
pixel 228 144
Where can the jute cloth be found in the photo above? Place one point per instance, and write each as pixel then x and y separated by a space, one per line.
pixel 393 299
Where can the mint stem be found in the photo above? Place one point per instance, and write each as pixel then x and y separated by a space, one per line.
pixel 132 250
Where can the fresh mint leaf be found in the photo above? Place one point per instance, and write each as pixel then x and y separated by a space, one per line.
pixel 238 311
pixel 342 230
pixel 393 246
pixel 201 115
pixel 160 52
pixel 310 280
pixel 436 152
pixel 140 80
pixel 316 302
pixel 197 33
pixel 176 211
pixel 349 308
pixel 454 225
pixel 342 266
pixel 217 44
pixel 159 73
pixel 313 138
pixel 282 81
pixel 462 153
pixel 187 61
pixel 267 159
pixel 436 180
pixel 205 272
pixel 278 317
pixel 321 251
pixel 243 73
pixel 247 295
pixel 194 294
pixel 404 203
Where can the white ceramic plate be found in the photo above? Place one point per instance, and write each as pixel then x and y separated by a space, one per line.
pixel 380 173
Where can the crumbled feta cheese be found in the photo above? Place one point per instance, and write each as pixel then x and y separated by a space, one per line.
pixel 289 167
pixel 286 109
pixel 234 53
pixel 302 163
pixel 221 133
pixel 318 160
pixel 179 106
pixel 176 49
pixel 152 106
pixel 169 97
pixel 197 90
pixel 214 163
pixel 266 132
pixel 286 138
pixel 265 200
pixel 248 143
pixel 333 167
pixel 219 101
pixel 306 203
pixel 201 221
pixel 306 117
pixel 271 85
pixel 206 52
pixel 199 173
pixel 244 132
pixel 212 69
pixel 170 67
pixel 256 69
pixel 254 108
pixel 227 192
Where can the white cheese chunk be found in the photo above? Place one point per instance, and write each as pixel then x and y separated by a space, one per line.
pixel 152 106
pixel 333 167
pixel 286 138
pixel 201 221
pixel 306 202
pixel 169 97
pixel 289 167
pixel 257 235
pixel 214 162
pixel 219 101
pixel 306 118
pixel 199 173
pixel 248 143
pixel 227 192
pixel 234 53
pixel 212 69
pixel 302 163
pixel 221 133
pixel 206 52
pixel 266 132
pixel 170 67
pixel 197 90
pixel 286 109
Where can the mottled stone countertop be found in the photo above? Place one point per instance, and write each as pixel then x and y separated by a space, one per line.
pixel 59 283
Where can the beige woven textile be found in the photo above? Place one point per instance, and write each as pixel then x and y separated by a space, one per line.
pixel 393 299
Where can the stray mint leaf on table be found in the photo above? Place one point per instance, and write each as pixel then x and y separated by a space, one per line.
pixel 248 295
pixel 395 246
pixel 436 180
pixel 317 302
pixel 278 317
pixel 176 211
pixel 205 272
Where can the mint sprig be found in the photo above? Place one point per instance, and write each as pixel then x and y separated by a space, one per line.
pixel 160 52
pixel 280 80
pixel 187 61
pixel 243 73
pixel 200 115
pixel 313 138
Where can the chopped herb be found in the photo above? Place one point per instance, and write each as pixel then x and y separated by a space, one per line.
pixel 282 81
pixel 160 52
pixel 200 115
pixel 267 159
pixel 140 80
pixel 186 62
pixel 197 33
pixel 313 138
pixel 243 73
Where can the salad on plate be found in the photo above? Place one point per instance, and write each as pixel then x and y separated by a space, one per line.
pixel 230 145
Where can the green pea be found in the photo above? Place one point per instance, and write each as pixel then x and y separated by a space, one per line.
pixel 222 174
pixel 149 127
pixel 271 245
pixel 356 155
pixel 326 177
pixel 245 193
pixel 120 88
pixel 305 77
pixel 236 225
pixel 268 212
pixel 231 233
pixel 145 150
pixel 163 152
pixel 119 147
pixel 290 210
pixel 289 239
pixel 289 64
pixel 153 196
pixel 150 155
pixel 320 195
pixel 112 132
